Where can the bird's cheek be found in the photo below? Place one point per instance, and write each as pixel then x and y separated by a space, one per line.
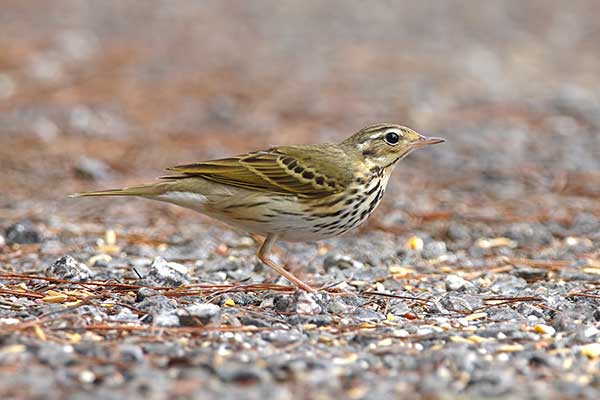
pixel 382 160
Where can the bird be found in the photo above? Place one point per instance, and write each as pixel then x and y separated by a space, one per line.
pixel 296 193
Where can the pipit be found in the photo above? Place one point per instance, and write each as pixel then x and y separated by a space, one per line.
pixel 291 193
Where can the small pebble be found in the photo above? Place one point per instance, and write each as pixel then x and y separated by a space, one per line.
pixel 455 283
pixel 531 274
pixel 164 273
pixel 92 169
pixel 425 330
pixel 87 376
pixel 69 269
pixel 415 243
pixel 544 329
pixel 496 242
pixel 591 332
pixel 571 241
pixel 340 261
pixel 434 250
pixel 129 353
pixel 23 232
pixel 400 333
pixel 307 304
pixel 591 350
pixel 338 307
pixel 199 314
pixel 159 307
pixel 166 319
pixel 458 232
pixel 144 293
pixel 510 348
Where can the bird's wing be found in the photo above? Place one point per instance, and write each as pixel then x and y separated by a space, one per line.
pixel 306 171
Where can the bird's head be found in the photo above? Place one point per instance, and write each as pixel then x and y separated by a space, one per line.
pixel 384 144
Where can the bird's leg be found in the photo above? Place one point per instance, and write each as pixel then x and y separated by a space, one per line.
pixel 263 255
pixel 257 239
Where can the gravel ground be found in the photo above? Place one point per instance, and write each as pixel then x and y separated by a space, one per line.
pixel 477 278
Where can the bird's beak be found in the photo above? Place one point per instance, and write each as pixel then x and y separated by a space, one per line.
pixel 426 141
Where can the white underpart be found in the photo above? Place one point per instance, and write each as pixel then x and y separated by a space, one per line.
pixel 222 196
pixel 282 215
pixel 194 201
pixel 289 227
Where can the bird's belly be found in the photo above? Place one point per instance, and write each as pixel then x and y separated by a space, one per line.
pixel 253 212
pixel 193 201
pixel 290 218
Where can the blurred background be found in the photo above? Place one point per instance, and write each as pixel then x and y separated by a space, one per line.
pixel 107 93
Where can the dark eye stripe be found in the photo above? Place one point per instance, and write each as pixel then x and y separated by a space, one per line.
pixel 369 152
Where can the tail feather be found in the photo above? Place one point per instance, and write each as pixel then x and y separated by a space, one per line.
pixel 143 190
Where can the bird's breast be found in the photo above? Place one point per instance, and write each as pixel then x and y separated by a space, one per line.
pixel 338 214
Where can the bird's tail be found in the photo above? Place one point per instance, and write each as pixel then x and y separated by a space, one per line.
pixel 142 190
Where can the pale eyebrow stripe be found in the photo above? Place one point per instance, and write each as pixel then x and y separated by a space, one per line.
pixel 382 134
pixel 378 127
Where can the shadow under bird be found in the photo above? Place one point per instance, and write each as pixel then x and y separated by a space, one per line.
pixel 291 193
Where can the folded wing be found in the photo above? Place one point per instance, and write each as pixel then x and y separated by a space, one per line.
pixel 305 171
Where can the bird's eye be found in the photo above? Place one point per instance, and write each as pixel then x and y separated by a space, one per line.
pixel 392 138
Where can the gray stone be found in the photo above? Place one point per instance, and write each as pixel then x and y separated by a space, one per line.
pixel 528 233
pixel 340 261
pixel 129 353
pixel 455 283
pixel 458 232
pixel 69 269
pixel 367 315
pixel 92 169
pixel 156 304
pixel 434 249
pixel 530 274
pixel 306 303
pixel 166 319
pixel 23 232
pixel 199 314
pixel 461 303
pixel 509 285
pixel 164 273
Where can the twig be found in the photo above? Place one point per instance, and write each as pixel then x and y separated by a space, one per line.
pixel 591 296
pixel 185 329
pixel 23 277
pixel 23 294
pixel 553 265
pixel 395 296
